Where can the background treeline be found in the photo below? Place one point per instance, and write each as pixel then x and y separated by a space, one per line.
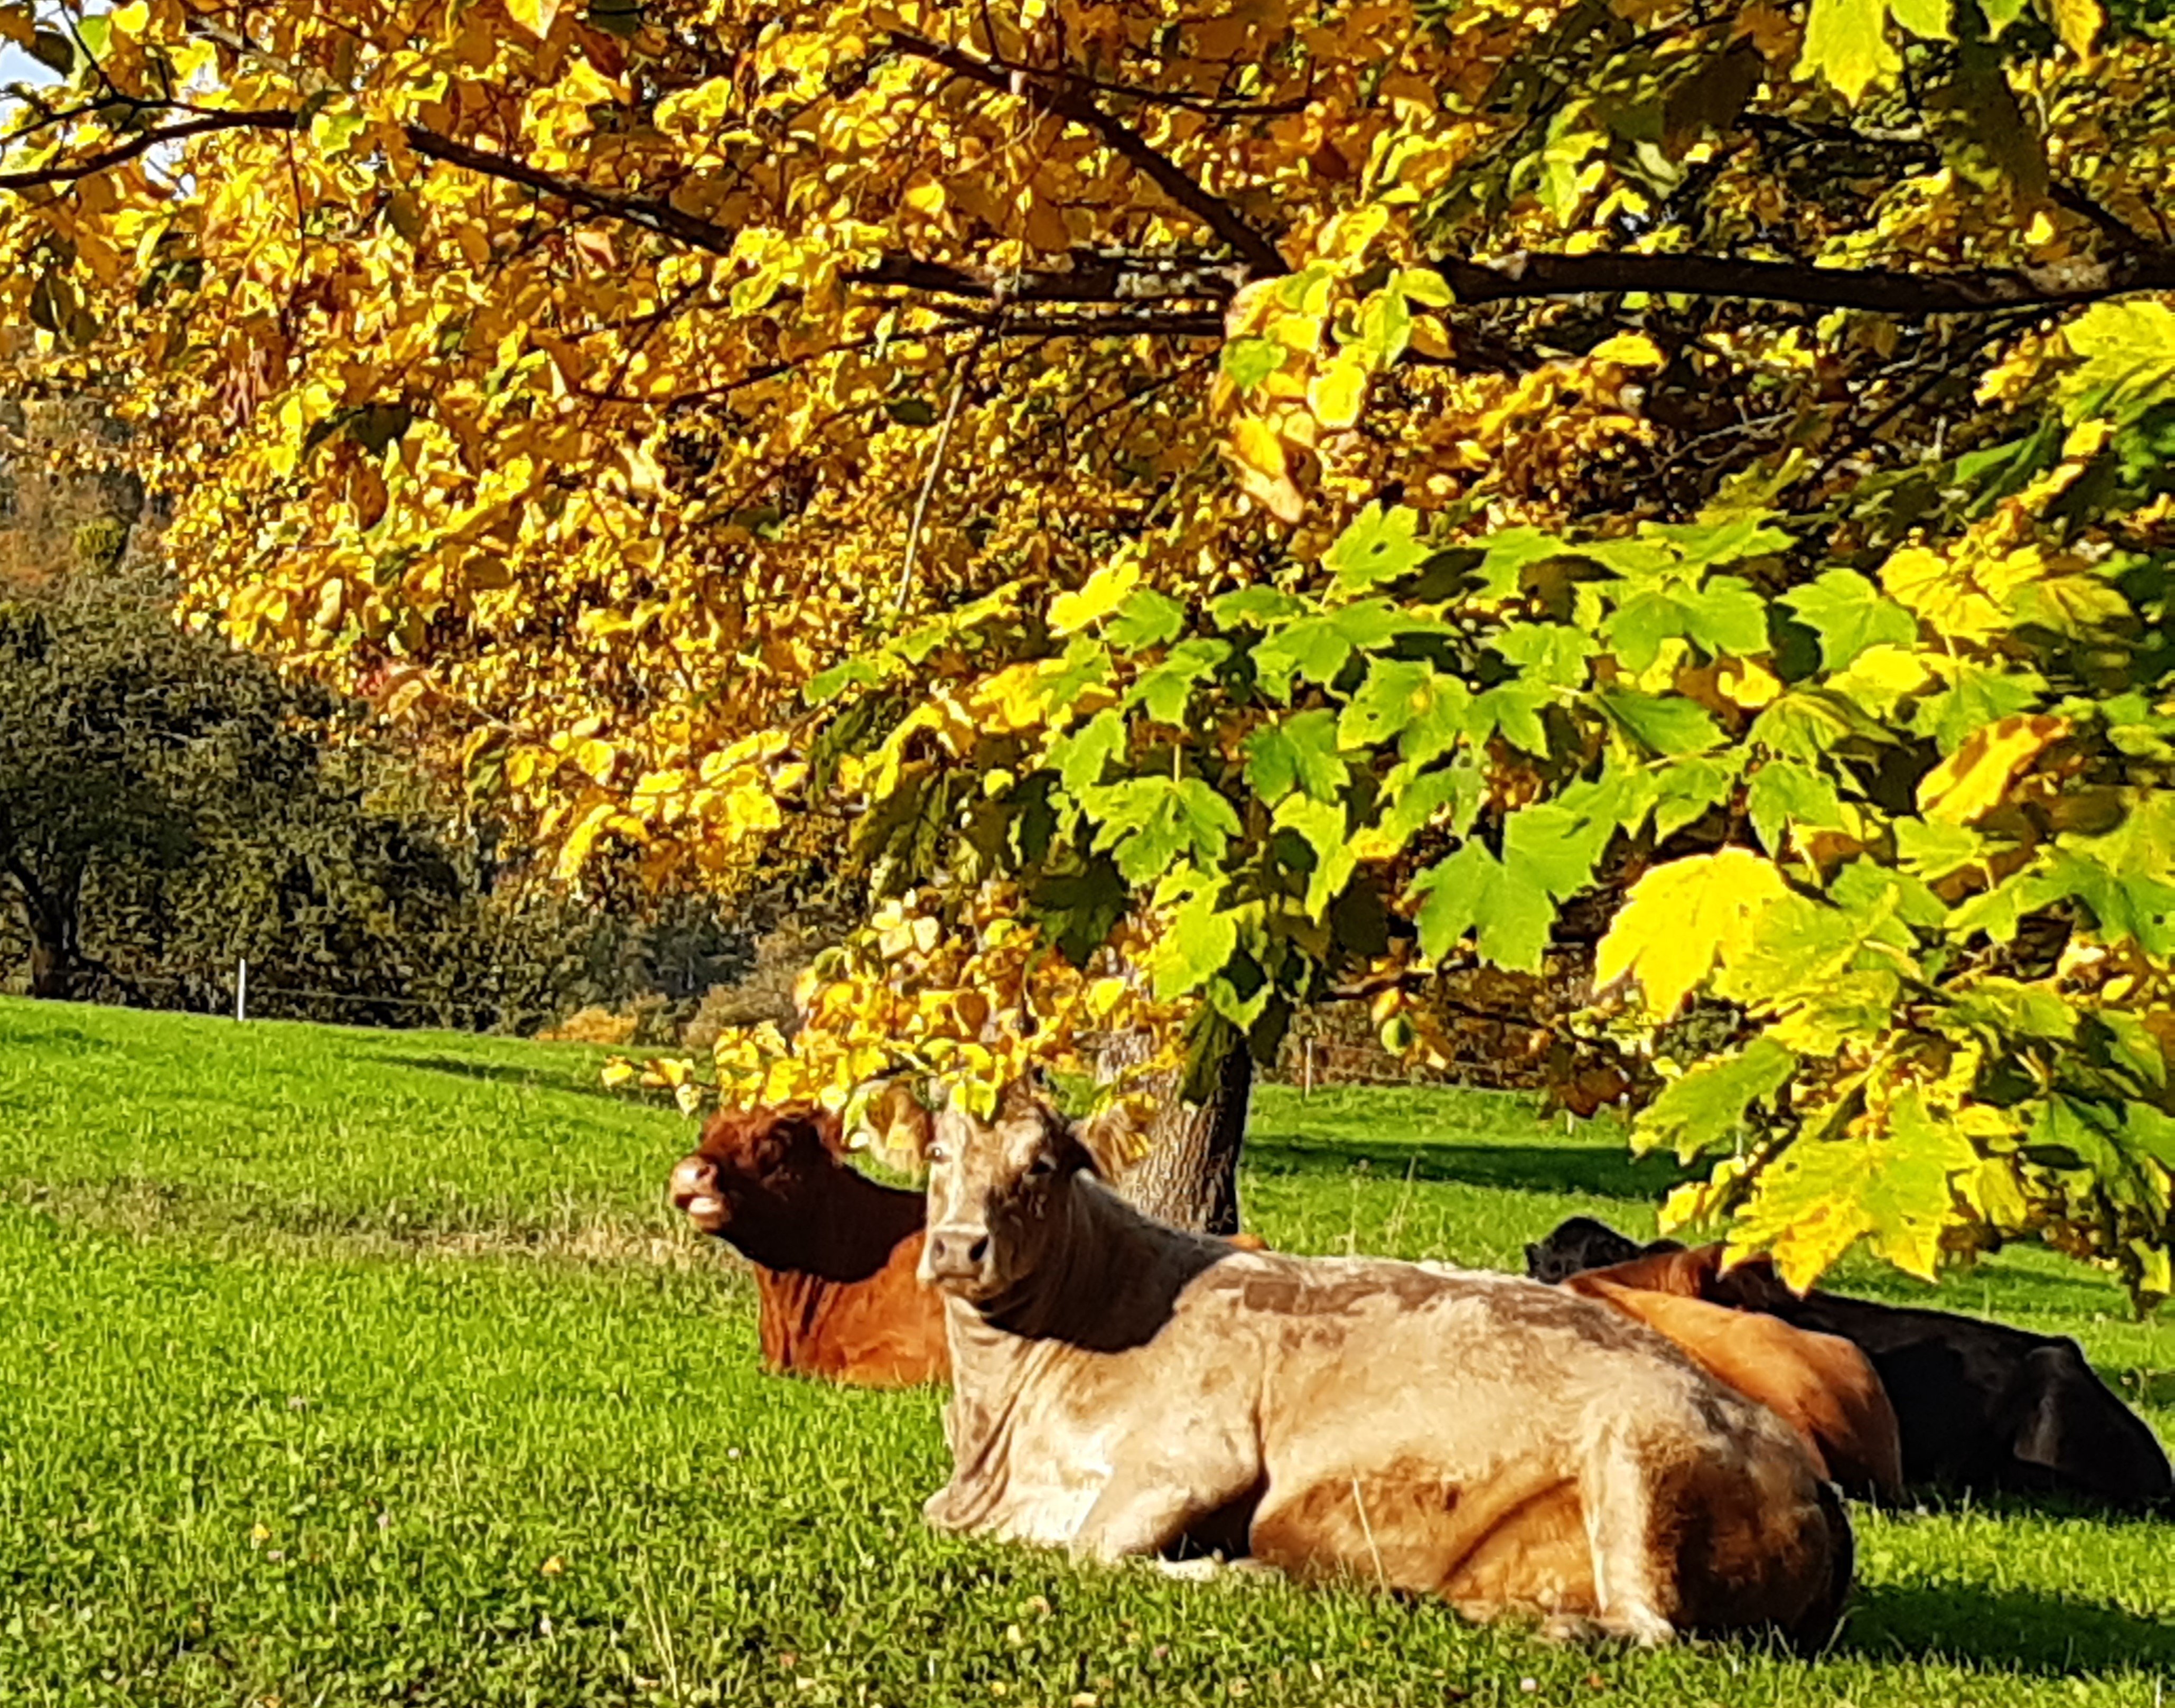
pixel 169 808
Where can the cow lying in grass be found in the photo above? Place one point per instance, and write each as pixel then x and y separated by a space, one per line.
pixel 1980 1404
pixel 1119 1383
pixel 836 1254
pixel 1822 1386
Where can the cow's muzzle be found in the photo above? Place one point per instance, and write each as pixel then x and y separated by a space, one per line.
pixel 694 1193
pixel 956 1258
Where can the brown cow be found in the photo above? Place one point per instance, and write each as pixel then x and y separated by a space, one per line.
pixel 836 1254
pixel 1119 1384
pixel 1822 1386
pixel 1980 1404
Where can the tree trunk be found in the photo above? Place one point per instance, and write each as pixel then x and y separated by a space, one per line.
pixel 50 970
pixel 1189 1176
pixel 53 960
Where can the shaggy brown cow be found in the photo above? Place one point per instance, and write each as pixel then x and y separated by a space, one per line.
pixel 836 1254
pixel 1980 1404
pixel 1119 1384
pixel 1823 1387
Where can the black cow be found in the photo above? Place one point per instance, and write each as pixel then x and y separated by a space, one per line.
pixel 1981 1405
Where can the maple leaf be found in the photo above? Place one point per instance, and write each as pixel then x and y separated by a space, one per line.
pixel 1680 920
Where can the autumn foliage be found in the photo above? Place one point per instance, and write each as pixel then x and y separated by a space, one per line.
pixel 1227 506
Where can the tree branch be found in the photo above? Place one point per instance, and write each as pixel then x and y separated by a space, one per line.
pixel 68 172
pixel 1068 99
pixel 1876 290
pixel 1112 280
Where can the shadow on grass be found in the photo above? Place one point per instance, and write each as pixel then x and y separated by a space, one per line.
pixel 1597 1171
pixel 2004 1630
pixel 584 1083
pixel 2148 1386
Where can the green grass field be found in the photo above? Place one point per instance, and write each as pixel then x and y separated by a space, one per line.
pixel 342 1367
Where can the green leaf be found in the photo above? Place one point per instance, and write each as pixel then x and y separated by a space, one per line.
pixel 1554 847
pixel 1084 663
pixel 1703 1109
pixel 1693 786
pixel 1395 693
pixel 1082 758
pixel 1667 724
pixel 1555 654
pixel 2133 1045
pixel 1846 43
pixel 2129 351
pixel 1254 607
pixel 1894 1189
pixel 1413 803
pixel 1148 821
pixel 1250 361
pixel 1932 849
pixel 1385 328
pixel 1976 698
pixel 1720 539
pixel 851 673
pixel 1381 545
pixel 1195 946
pixel 1864 885
pixel 1927 19
pixel 2003 1010
pixel 1849 614
pixel 1805 724
pixel 1726 616
pixel 1299 752
pixel 1148 619
pixel 1165 691
pixel 1515 708
pixel 1321 825
pixel 1785 792
pixel 1472 887
pixel 1316 648
pixel 1510 553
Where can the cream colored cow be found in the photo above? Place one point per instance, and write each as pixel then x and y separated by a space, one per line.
pixel 1119 1384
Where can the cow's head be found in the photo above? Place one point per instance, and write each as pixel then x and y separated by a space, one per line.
pixel 1577 1245
pixel 753 1168
pixel 998 1190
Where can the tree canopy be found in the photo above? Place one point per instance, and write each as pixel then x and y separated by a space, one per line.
pixel 1231 506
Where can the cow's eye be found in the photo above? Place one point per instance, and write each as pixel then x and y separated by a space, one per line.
pixel 937 1154
pixel 1042 1165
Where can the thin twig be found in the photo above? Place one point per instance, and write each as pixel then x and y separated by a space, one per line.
pixel 962 374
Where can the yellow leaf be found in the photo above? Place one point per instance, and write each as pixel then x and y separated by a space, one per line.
pixel 535 16
pixel 595 758
pixel 1971 781
pixel 1631 350
pixel 1100 594
pixel 1257 455
pixel 1846 43
pixel 18 26
pixel 1338 394
pixel 2077 22
pixel 1747 683
pixel 1681 918
pixel 574 852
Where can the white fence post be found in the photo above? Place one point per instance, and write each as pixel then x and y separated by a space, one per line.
pixel 241 990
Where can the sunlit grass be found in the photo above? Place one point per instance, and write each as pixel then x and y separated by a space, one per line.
pixel 350 1368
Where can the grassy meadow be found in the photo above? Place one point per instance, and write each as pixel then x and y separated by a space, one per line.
pixel 340 1366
